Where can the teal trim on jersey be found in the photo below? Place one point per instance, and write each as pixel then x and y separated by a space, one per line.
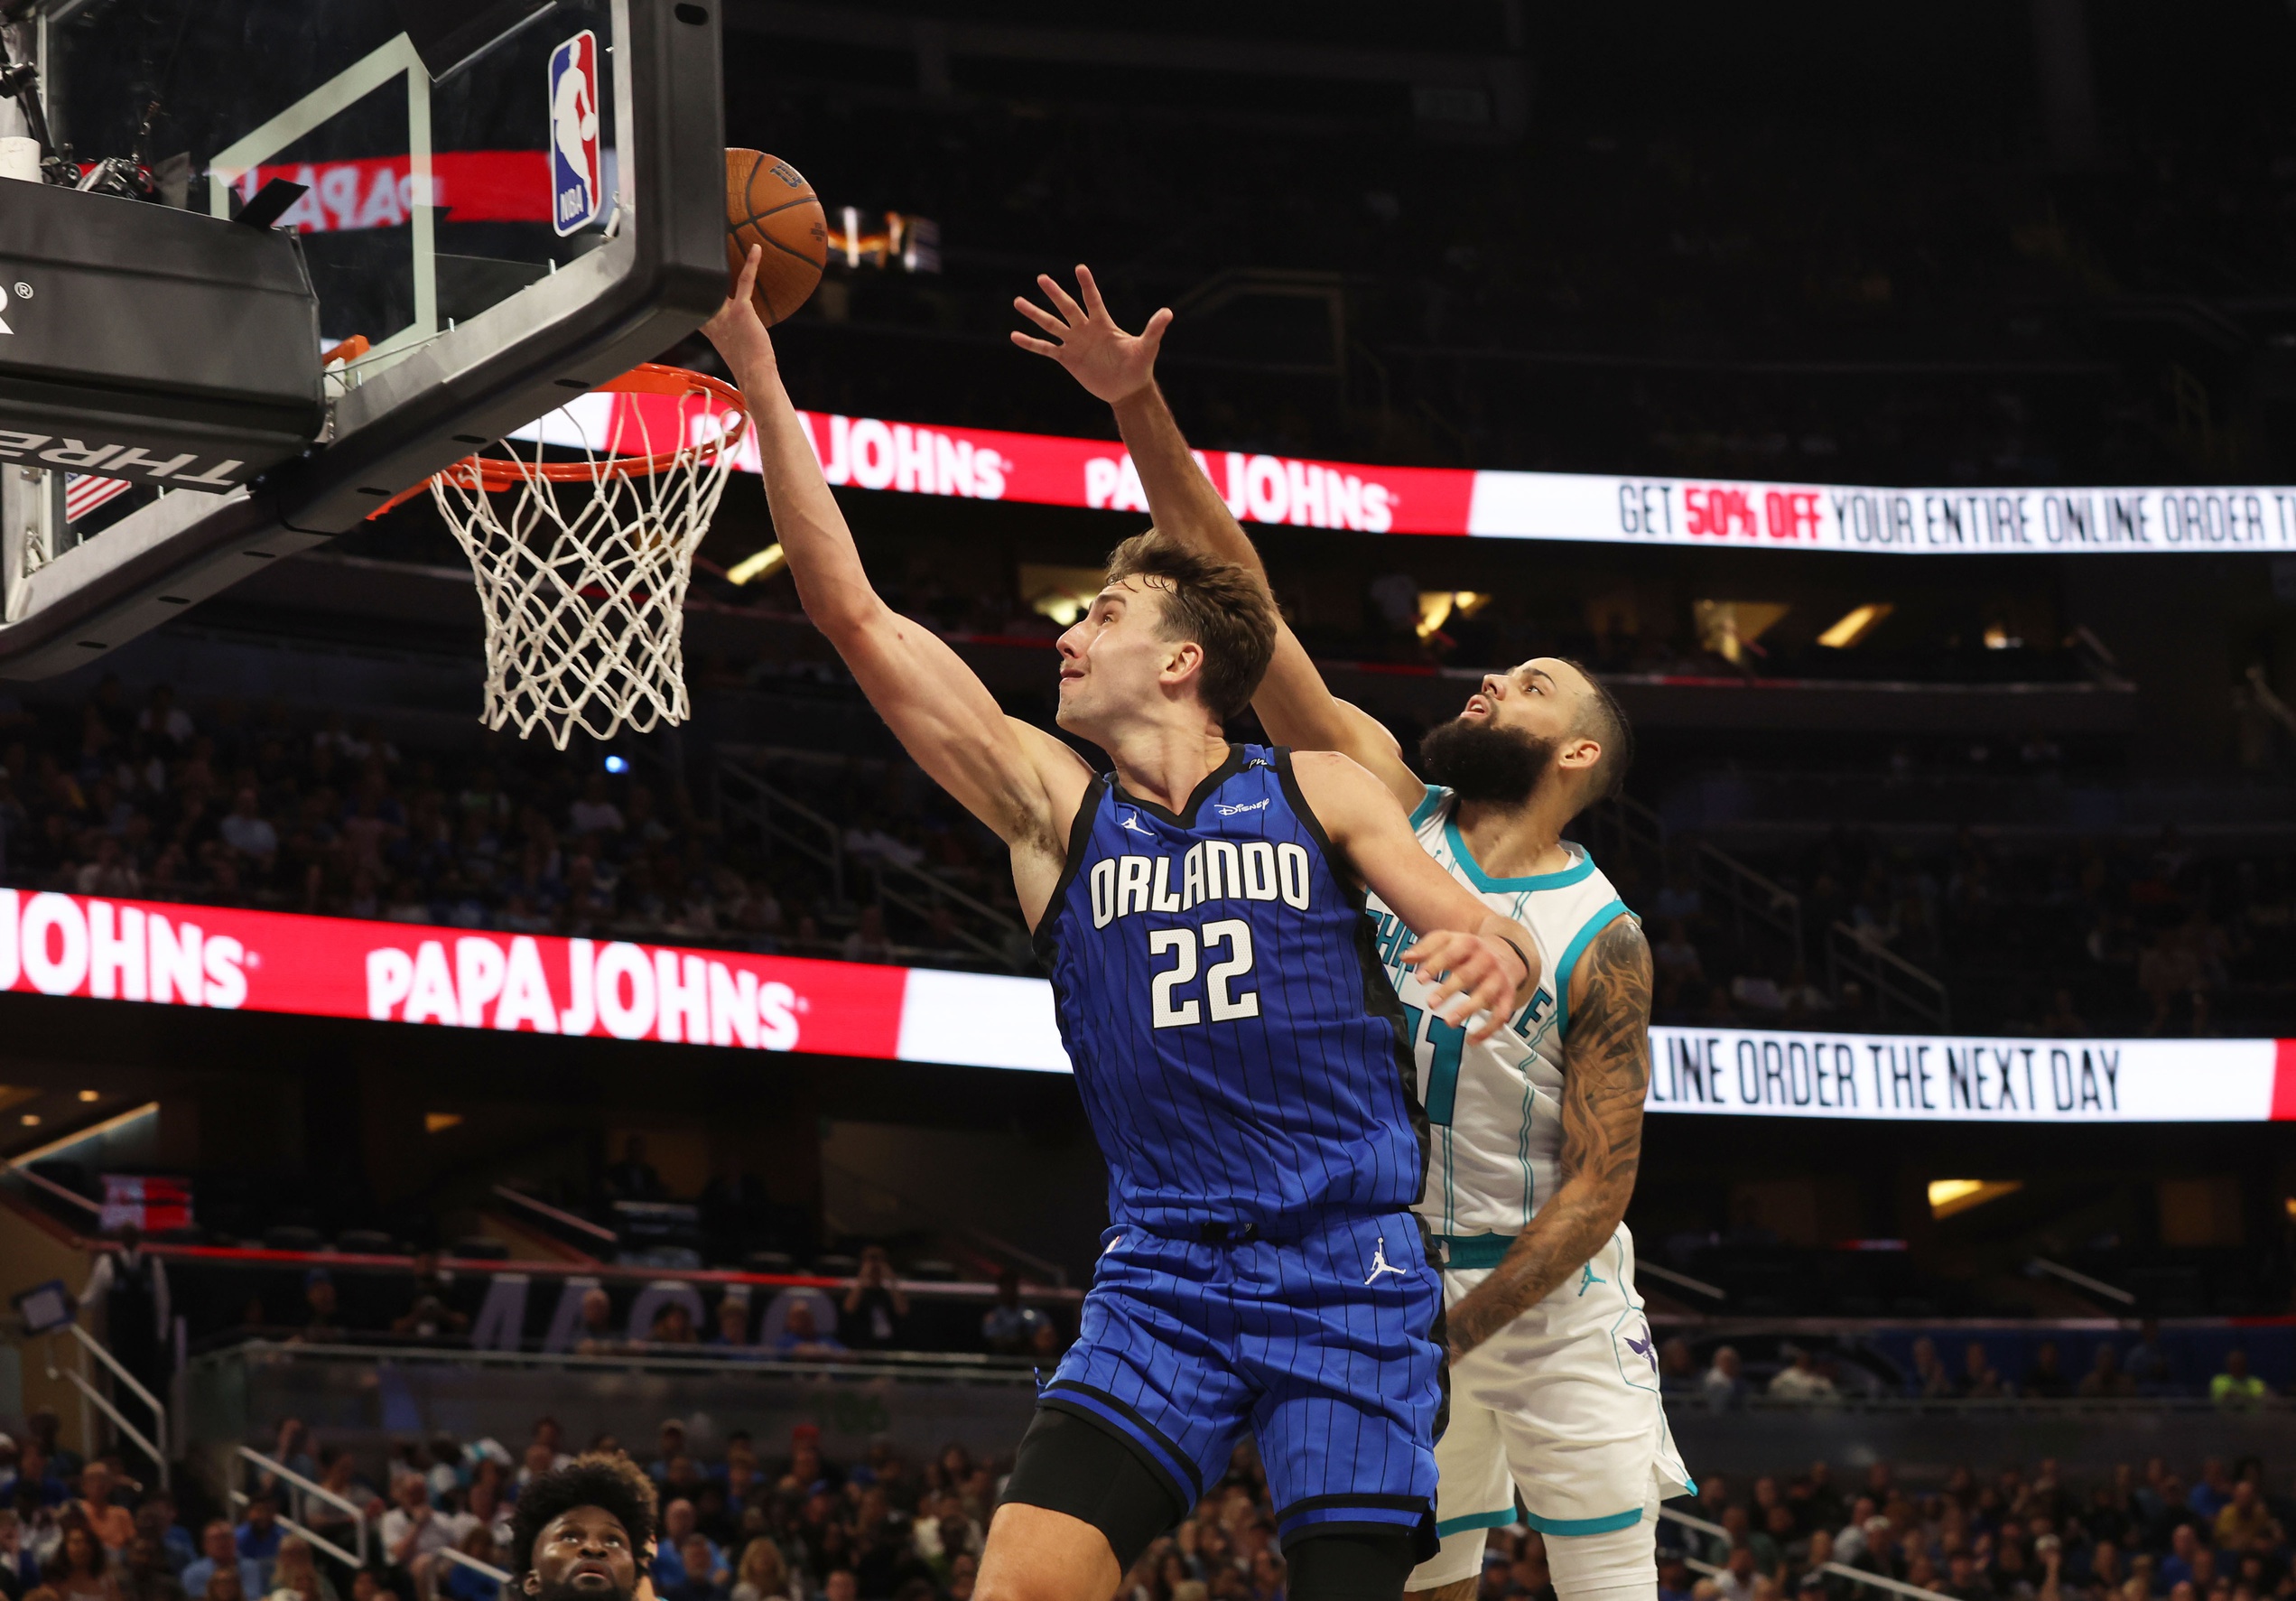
pixel 1615 1521
pixel 1581 868
pixel 1429 804
pixel 1602 918
pixel 1490 1520
pixel 1474 1250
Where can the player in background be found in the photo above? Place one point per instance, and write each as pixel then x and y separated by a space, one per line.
pixel 1555 1383
pixel 1236 1045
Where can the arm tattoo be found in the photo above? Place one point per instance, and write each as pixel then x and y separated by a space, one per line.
pixel 1607 1063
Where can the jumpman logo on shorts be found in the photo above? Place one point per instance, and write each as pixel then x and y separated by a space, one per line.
pixel 1588 1279
pixel 1379 1264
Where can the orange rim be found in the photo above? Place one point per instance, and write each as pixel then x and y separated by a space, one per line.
pixel 497 473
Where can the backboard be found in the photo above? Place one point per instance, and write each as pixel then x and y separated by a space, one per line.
pixel 509 201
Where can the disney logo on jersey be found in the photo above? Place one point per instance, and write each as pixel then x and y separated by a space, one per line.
pixel 1213 869
pixel 1238 810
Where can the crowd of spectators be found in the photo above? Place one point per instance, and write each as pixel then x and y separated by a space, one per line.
pixel 122 796
pixel 746 1521
pixel 2054 1534
pixel 2092 935
pixel 2144 1368
pixel 145 795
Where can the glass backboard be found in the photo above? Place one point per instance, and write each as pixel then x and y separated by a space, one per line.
pixel 509 201
pixel 426 201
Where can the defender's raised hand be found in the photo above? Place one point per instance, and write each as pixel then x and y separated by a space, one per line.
pixel 1109 362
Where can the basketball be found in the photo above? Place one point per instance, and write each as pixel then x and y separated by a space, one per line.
pixel 768 202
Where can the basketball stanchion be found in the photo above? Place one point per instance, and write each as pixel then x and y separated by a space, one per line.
pixel 583 565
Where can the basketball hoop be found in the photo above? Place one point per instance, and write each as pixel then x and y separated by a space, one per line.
pixel 583 565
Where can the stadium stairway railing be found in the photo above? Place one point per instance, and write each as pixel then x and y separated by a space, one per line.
pixel 738 795
pixel 1899 987
pixel 305 1490
pixel 1763 913
pixel 1860 1576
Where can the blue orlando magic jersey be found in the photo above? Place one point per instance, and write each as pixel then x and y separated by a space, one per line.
pixel 1239 1049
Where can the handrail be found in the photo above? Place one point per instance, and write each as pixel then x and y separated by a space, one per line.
pixel 52 1188
pixel 1684 1280
pixel 775 797
pixel 1843 1569
pixel 465 1560
pixel 1915 991
pixel 2073 1276
pixel 1637 827
pixel 1051 1270
pixel 1769 901
pixel 559 1215
pixel 104 1356
pixel 309 1486
pixel 876 1364
pixel 311 1536
pixel 103 1403
pixel 764 799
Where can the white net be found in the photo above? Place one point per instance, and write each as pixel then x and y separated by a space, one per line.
pixel 583 566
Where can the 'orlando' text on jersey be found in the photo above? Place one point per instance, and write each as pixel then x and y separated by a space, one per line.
pixel 1240 1051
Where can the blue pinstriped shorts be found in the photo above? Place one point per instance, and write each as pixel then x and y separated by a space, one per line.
pixel 1323 1344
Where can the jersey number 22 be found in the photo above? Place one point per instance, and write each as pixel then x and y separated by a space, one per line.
pixel 1225 1004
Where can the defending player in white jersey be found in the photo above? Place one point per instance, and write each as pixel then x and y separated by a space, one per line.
pixel 1538 1130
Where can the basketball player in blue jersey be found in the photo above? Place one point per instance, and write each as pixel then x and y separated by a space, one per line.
pixel 1238 1049
pixel 1537 1127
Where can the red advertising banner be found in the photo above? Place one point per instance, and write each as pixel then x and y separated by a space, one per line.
pixel 986 464
pixel 336 967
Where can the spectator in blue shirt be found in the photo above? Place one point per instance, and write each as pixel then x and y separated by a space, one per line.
pixel 1009 1328
pixel 702 1580
pixel 35 1476
pixel 2147 1361
pixel 258 1537
pixel 2176 1568
pixel 799 1337
pixel 465 1583
pixel 733 1326
pixel 221 1547
pixel 155 1520
pixel 2211 1492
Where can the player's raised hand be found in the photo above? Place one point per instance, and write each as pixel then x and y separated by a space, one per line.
pixel 736 331
pixel 1472 975
pixel 1109 362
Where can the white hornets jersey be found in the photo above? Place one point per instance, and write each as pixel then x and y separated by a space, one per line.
pixel 1494 1109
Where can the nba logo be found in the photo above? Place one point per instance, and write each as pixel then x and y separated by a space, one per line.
pixel 574 186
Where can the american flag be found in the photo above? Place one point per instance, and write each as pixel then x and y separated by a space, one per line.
pixel 84 492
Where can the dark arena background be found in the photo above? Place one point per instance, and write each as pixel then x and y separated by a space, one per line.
pixel 1894 407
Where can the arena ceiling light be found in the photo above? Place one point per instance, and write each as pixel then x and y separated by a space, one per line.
pixel 1730 629
pixel 1436 606
pixel 1949 1197
pixel 1061 593
pixel 1856 625
pixel 764 564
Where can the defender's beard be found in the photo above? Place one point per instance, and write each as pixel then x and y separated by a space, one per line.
pixel 1482 762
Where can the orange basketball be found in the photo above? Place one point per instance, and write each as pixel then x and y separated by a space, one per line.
pixel 768 202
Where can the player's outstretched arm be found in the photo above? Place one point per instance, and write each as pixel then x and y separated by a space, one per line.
pixel 1019 781
pixel 1294 705
pixel 1485 963
pixel 1606 1074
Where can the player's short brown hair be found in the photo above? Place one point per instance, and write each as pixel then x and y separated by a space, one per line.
pixel 1217 605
